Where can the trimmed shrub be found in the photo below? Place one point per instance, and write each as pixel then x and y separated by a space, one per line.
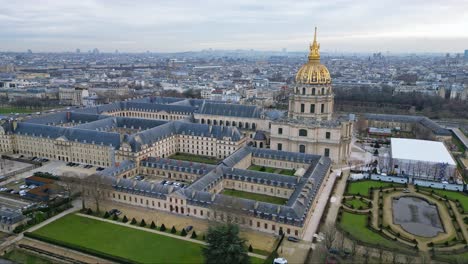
pixel 133 221
pixel 89 211
pixel 106 214
pixel 203 237
pixel 125 219
pixel 153 225
pixel 115 217
pixel 142 223
pixel 194 235
pixel 250 248
pixel 183 233
pixel 173 230
pixel 162 228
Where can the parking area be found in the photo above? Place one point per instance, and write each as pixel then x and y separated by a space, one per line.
pixel 10 166
pixel 161 180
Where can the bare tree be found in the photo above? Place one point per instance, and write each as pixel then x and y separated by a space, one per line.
pixel 329 232
pixel 71 184
pixel 366 255
pixel 353 248
pixel 94 188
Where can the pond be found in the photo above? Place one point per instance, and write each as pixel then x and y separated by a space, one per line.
pixel 417 216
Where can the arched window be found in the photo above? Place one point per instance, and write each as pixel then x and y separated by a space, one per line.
pixel 302 132
pixel 203 121
pixel 323 91
pixel 215 122
pixel 313 91
pixel 301 148
pixel 254 126
pixel 303 90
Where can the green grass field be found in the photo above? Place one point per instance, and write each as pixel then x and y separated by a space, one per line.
pixel 255 196
pixel 271 170
pixel 463 198
pixel 21 256
pixel 195 158
pixel 356 203
pixel 11 109
pixel 355 225
pixel 125 242
pixel 363 187
pixel 136 245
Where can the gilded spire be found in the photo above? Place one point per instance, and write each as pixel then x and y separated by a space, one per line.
pixel 314 54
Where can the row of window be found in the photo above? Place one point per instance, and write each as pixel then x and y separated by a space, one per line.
pixel 302 149
pixel 312 108
pixel 303 133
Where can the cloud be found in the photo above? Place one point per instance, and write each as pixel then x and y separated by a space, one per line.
pixel 178 25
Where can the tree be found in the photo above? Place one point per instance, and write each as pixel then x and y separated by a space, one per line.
pixel 183 232
pixel 225 245
pixel 173 230
pixel 142 223
pixel 125 219
pixel 250 248
pixel 329 233
pixel 153 225
pixel 115 217
pixel 133 221
pixel 106 214
pixel 194 235
pixel 162 228
pixel 95 189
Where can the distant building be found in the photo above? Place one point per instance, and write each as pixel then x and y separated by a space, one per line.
pixel 73 96
pixel 466 54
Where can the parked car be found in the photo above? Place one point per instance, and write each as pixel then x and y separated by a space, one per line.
pixel 163 182
pixel 115 211
pixel 293 239
pixel 22 193
pixel 334 251
pixel 188 228
pixel 24 186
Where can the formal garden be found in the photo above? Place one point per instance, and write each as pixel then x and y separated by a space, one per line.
pixel 371 211
pixel 195 158
pixel 255 196
pixel 98 235
pixel 286 172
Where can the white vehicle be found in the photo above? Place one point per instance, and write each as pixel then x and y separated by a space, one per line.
pixel 3 189
pixel 280 261
pixel 32 186
pixel 22 193
pixel 24 186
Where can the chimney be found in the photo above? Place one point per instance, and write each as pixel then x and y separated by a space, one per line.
pixel 213 196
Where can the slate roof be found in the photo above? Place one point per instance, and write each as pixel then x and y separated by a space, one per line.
pixel 237 110
pixel 148 137
pixel 9 217
pixel 177 165
pixel 70 134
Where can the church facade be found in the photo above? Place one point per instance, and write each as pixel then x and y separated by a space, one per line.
pixel 310 126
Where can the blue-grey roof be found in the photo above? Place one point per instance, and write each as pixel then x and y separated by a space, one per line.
pixel 247 111
pixel 70 134
pixel 177 165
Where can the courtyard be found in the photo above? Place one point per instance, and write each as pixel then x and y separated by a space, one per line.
pixel 195 158
pixel 255 196
pixel 272 170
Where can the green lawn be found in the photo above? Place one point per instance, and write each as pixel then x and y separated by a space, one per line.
pixel 463 198
pixel 363 187
pixel 125 242
pixel 356 203
pixel 195 158
pixel 355 225
pixel 21 256
pixel 271 170
pixel 11 109
pixel 454 258
pixel 136 245
pixel 255 196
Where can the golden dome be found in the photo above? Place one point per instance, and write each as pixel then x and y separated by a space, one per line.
pixel 313 72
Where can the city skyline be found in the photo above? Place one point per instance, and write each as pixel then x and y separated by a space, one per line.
pixel 176 26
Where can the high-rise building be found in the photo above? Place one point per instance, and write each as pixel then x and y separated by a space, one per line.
pixel 466 54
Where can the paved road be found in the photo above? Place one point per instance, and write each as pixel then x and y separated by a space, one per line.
pixel 460 136
pixel 314 220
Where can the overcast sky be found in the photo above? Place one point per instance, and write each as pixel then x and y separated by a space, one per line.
pixel 183 25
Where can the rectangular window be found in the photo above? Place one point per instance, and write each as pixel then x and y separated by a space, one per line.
pixel 302 108
pixel 280 130
pixel 312 108
pixel 280 146
pixel 322 108
pixel 327 135
pixel 327 152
